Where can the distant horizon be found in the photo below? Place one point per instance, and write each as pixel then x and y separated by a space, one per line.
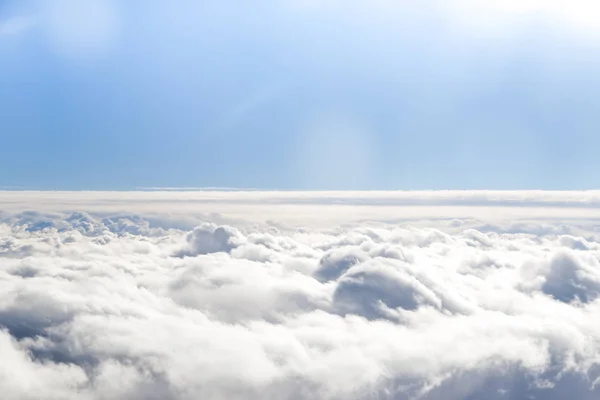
pixel 243 189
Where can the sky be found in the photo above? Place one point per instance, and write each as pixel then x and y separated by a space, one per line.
pixel 299 94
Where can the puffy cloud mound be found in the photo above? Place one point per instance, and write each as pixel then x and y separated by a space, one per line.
pixel 209 238
pixel 95 305
pixel 568 278
pixel 377 288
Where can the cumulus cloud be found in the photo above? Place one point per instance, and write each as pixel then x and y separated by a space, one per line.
pixel 104 303
pixel 569 278
pixel 208 238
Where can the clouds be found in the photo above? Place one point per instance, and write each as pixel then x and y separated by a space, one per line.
pixel 103 305
pixel 208 238
pixel 569 278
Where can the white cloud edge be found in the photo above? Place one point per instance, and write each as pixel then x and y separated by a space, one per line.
pixel 589 198
pixel 321 208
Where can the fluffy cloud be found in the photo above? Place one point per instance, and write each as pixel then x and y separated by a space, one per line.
pixel 208 238
pixel 109 304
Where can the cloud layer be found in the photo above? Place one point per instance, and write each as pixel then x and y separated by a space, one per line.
pixel 104 305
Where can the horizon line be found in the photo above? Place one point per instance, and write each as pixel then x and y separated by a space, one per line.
pixel 241 189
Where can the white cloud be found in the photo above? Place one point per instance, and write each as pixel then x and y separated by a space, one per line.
pixel 104 299
pixel 208 238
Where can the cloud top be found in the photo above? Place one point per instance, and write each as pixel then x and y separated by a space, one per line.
pixel 98 305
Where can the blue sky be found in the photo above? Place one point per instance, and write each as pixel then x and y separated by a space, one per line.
pixel 300 94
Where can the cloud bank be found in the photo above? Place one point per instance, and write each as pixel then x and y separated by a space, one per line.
pixel 102 302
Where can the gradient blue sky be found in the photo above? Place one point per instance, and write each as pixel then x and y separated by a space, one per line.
pixel 300 94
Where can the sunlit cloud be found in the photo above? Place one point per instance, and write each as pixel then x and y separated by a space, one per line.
pixel 98 304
